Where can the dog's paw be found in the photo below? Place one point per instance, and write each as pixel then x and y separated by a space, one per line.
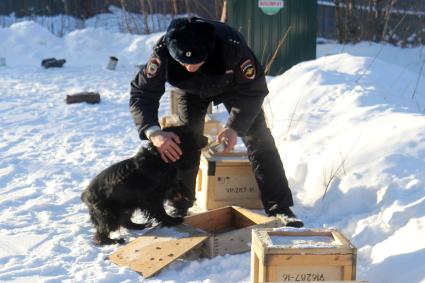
pixel 119 241
pixel 176 212
pixel 172 221
pixel 102 240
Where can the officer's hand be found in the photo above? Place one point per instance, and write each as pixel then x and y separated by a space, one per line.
pixel 167 145
pixel 229 138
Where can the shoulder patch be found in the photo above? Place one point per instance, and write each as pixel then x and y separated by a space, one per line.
pixel 248 69
pixel 152 67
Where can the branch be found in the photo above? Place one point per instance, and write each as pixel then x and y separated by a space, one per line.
pixel 419 76
pixel 279 45
pixel 340 166
pixel 379 52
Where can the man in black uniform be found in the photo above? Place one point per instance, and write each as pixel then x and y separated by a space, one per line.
pixel 211 62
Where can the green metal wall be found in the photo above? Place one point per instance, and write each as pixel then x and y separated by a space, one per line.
pixel 263 32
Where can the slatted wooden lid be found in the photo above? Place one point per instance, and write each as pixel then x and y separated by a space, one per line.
pixel 149 254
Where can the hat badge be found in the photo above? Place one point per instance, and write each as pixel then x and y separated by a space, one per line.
pixel 188 54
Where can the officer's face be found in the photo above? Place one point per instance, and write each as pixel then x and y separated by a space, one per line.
pixel 192 67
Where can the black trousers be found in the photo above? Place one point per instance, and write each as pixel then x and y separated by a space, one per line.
pixel 262 153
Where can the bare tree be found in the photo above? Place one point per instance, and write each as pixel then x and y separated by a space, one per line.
pixel 278 48
pixel 387 16
pixel 352 22
pixel 175 10
pixel 150 11
pixel 187 6
pixel 339 22
pixel 126 23
pixel 145 13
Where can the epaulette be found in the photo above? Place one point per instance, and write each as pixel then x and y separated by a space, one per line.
pixel 160 45
pixel 234 41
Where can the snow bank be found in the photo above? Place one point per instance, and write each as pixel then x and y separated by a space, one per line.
pixel 352 140
pixel 86 47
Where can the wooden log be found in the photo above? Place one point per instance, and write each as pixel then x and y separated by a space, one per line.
pixel 52 63
pixel 89 97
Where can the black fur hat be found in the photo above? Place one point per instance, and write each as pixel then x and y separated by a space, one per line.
pixel 190 40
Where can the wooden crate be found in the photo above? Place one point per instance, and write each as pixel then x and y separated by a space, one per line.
pixel 169 120
pixel 212 233
pixel 284 254
pixel 226 180
pixel 229 229
pixel 174 93
pixel 211 127
pixel 173 102
pixel 325 281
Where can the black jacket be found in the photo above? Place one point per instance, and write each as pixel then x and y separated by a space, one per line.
pixel 230 72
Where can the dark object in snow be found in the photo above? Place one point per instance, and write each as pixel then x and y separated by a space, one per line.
pixel 112 63
pixel 89 97
pixel 52 63
pixel 142 182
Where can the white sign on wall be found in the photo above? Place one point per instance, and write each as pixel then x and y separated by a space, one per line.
pixel 271 7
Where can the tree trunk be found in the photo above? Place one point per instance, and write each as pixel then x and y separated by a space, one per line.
pixel 350 22
pixel 175 9
pixel 145 16
pixel 126 23
pixel 339 22
pixel 387 17
pixel 187 6
pixel 378 20
pixel 150 11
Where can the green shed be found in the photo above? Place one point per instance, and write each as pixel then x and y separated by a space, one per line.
pixel 281 29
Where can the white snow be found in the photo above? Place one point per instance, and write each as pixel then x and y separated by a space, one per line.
pixel 350 129
pixel 302 242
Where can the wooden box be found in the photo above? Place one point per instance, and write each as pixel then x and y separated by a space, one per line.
pixel 174 94
pixel 212 233
pixel 229 229
pixel 345 281
pixel 169 120
pixel 211 127
pixel 290 254
pixel 226 180
pixel 173 102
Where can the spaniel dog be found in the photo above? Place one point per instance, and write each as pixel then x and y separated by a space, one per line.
pixel 142 182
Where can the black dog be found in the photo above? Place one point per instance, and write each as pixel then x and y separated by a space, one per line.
pixel 142 182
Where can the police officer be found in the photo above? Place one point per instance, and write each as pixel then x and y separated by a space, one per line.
pixel 209 61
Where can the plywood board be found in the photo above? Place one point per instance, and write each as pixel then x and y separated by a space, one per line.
pixel 148 255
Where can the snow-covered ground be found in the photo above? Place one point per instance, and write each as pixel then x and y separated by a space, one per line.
pixel 350 129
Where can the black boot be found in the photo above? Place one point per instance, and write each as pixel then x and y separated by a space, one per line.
pixel 289 218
